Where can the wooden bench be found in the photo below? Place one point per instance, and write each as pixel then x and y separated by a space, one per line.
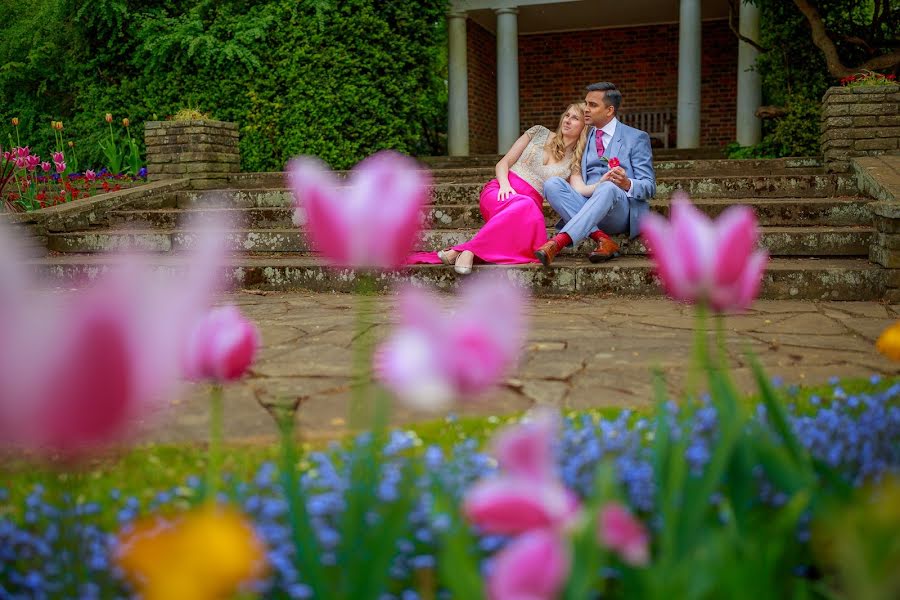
pixel 654 122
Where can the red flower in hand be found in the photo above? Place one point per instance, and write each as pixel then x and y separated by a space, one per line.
pixel 613 162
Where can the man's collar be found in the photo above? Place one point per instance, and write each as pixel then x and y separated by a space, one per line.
pixel 610 128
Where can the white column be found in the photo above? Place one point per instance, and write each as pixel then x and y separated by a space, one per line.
pixel 457 86
pixel 749 86
pixel 689 74
pixel 507 78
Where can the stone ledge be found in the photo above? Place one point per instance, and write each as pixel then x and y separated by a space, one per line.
pixel 879 177
pixel 228 125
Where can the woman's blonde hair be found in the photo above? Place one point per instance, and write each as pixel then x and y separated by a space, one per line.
pixel 558 145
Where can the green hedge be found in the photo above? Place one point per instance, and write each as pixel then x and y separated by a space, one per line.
pixel 336 78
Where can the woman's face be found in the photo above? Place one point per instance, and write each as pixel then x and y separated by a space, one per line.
pixel 572 123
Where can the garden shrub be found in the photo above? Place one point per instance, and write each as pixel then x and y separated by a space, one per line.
pixel 340 80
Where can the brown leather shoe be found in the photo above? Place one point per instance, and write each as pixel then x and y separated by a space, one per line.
pixel 605 250
pixel 547 253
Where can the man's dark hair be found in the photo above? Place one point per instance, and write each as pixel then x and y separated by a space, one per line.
pixel 612 95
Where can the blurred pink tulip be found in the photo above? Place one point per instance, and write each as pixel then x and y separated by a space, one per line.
pixel 370 221
pixel 21 162
pixel 58 157
pixel 109 354
pixel 433 357
pixel 701 261
pixel 89 175
pixel 619 531
pixel 23 151
pixel 32 162
pixel 534 566
pixel 60 167
pixel 222 346
pixel 45 166
pixel 509 505
pixel 526 449
pixel 527 492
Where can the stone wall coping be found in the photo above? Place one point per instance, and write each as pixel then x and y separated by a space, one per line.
pixel 879 177
pixel 863 89
pixel 203 123
pixel 99 203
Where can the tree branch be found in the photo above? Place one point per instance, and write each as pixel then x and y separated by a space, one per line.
pixel 836 68
pixel 736 32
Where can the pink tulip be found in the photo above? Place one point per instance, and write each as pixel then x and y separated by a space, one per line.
pixel 45 166
pixel 89 175
pixel 510 505
pixel 619 531
pixel 8 156
pixel 221 347
pixel 32 162
pixel 21 162
pixel 526 450
pixel 701 261
pixel 534 566
pixel 373 221
pixel 109 354
pixel 23 152
pixel 434 357
pixel 58 157
pixel 60 167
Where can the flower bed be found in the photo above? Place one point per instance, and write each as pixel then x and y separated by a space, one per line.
pixel 855 433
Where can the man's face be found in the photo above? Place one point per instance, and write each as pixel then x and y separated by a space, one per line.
pixel 597 113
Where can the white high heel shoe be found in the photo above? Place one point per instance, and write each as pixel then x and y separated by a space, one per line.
pixel 463 269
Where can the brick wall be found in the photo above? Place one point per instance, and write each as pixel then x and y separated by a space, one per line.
pixel 641 61
pixel 860 121
pixel 482 67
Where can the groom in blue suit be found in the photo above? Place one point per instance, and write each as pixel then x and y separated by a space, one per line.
pixel 601 201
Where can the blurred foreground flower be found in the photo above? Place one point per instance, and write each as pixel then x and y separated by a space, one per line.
pixel 433 358
pixel 621 532
pixel 889 342
pixel 221 346
pixel 77 370
pixel 534 566
pixel 203 555
pixel 370 221
pixel 701 261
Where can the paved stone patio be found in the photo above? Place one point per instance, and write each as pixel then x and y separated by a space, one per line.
pixel 581 352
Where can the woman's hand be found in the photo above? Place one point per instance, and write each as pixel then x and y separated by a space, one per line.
pixel 505 192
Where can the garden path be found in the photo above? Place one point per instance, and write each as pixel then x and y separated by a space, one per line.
pixel 581 352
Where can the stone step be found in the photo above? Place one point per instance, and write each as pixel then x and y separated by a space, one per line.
pixel 482 168
pixel 837 211
pixel 780 241
pixel 733 186
pixel 786 278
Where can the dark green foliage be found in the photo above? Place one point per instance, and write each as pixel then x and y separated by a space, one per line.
pixel 793 70
pixel 336 79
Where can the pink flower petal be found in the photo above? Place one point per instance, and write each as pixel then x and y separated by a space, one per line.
pixel 526 450
pixel 666 256
pixel 535 566
pixel 508 505
pixel 737 234
pixel 619 531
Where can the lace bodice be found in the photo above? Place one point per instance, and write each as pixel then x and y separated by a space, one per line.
pixel 530 165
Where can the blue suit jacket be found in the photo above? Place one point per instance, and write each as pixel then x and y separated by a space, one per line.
pixel 632 147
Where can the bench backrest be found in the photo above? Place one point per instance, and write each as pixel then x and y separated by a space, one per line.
pixel 653 121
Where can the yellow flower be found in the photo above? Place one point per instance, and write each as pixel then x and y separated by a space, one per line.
pixel 201 555
pixel 889 342
pixel 109 117
pixel 126 122
pixel 15 121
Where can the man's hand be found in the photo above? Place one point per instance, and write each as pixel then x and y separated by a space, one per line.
pixel 618 177
pixel 505 192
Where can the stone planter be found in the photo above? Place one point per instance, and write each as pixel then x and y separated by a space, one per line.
pixel 206 152
pixel 859 121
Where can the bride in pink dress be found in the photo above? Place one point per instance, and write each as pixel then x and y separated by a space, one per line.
pixel 511 204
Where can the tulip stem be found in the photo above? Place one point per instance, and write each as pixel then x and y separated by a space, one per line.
pixel 700 357
pixel 362 350
pixel 214 459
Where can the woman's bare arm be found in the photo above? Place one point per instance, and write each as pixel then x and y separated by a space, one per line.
pixel 508 160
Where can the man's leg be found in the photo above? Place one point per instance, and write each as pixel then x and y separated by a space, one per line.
pixel 563 198
pixel 607 209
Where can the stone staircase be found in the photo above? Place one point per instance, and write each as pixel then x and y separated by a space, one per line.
pixel 815 225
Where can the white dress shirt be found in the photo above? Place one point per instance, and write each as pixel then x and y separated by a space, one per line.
pixel 607 132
